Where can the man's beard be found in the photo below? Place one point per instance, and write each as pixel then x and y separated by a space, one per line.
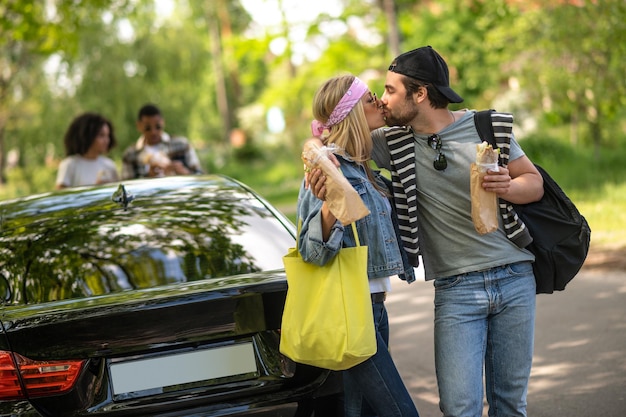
pixel 407 113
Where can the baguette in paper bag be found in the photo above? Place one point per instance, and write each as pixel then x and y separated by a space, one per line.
pixel 484 203
pixel 342 199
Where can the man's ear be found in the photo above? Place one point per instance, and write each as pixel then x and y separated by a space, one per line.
pixel 420 95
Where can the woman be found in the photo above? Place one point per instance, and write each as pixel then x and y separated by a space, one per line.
pixel 88 138
pixel 346 109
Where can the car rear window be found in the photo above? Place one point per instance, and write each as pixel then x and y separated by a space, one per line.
pixel 142 247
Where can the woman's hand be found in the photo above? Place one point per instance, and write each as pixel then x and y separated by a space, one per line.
pixel 316 180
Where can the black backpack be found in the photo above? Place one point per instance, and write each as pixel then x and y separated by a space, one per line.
pixel 561 235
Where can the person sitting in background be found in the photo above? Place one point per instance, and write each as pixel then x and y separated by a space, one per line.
pixel 88 138
pixel 157 154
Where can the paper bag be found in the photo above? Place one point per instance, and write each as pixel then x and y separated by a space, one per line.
pixel 342 199
pixel 484 203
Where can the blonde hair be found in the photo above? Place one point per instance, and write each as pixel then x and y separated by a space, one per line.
pixel 352 134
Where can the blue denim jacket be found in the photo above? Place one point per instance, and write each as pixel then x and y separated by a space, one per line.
pixel 377 231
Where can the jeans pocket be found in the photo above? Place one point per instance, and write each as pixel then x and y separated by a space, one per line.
pixel 519 268
pixel 449 282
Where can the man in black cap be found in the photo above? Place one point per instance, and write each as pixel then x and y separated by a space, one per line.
pixel 484 283
pixel 427 65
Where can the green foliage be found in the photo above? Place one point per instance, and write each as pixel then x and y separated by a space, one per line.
pixel 569 59
pixel 464 34
pixel 557 65
pixel 276 174
pixel 248 153
pixel 543 149
pixel 23 182
pixel 578 169
pixel 606 214
pixel 39 27
pixel 595 181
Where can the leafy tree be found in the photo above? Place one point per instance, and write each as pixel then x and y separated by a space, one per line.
pixel 567 73
pixel 29 32
pixel 211 73
pixel 570 60
pixel 463 33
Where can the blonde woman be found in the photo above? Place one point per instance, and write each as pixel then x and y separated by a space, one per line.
pixel 345 112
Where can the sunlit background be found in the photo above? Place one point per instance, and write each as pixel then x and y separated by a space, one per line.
pixel 236 77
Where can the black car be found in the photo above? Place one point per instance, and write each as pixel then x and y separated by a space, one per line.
pixel 157 297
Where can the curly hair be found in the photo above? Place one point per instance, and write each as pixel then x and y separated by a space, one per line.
pixel 83 131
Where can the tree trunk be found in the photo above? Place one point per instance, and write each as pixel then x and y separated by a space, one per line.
pixel 228 55
pixel 218 68
pixel 389 8
pixel 285 30
pixel 3 179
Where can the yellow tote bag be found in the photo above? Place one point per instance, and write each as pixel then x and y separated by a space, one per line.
pixel 328 321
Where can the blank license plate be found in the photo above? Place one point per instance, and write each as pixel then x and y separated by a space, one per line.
pixel 184 368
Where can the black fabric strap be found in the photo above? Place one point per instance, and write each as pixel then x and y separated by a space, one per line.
pixel 484 126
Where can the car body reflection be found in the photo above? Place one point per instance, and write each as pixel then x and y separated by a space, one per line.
pixel 165 303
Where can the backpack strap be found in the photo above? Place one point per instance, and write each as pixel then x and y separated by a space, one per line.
pixel 497 129
pixel 484 126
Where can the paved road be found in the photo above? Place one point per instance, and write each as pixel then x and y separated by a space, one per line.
pixel 579 368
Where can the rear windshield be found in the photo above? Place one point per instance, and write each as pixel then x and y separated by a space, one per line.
pixel 142 247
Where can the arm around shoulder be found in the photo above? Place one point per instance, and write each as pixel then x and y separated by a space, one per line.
pixel 380 150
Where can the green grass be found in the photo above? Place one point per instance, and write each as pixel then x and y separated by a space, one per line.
pixel 277 179
pixel 606 214
pixel 594 180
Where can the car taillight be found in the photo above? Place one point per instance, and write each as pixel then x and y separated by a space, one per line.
pixel 41 378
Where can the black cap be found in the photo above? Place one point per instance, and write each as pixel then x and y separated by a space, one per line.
pixel 427 65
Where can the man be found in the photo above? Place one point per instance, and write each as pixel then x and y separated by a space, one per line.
pixel 156 153
pixel 484 284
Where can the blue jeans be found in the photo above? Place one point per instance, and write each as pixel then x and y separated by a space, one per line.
pixel 485 318
pixel 374 387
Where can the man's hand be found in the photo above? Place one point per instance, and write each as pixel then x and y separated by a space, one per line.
pixel 521 183
pixel 166 168
pixel 178 168
pixel 497 181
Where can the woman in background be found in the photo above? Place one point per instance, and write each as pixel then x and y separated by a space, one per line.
pixel 88 138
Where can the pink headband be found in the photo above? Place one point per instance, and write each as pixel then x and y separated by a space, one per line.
pixel 341 110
